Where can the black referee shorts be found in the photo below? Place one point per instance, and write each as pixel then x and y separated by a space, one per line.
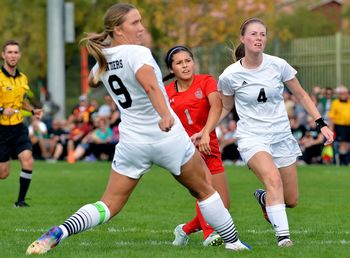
pixel 13 140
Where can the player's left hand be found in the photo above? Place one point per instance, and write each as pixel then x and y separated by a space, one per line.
pixel 328 134
pixel 204 144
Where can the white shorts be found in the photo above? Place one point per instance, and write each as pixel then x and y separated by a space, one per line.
pixel 135 159
pixel 284 153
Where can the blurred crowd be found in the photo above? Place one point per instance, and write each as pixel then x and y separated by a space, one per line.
pixel 91 130
pixel 89 133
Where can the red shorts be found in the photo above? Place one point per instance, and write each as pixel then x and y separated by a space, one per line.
pixel 214 163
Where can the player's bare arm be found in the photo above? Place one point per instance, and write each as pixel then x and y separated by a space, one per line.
pixel 147 78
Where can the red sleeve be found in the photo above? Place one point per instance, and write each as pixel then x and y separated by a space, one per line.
pixel 209 85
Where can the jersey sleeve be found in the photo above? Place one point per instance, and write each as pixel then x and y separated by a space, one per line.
pixel 141 56
pixel 287 71
pixel 224 86
pixel 210 85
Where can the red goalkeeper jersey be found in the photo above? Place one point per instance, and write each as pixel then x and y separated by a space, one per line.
pixel 192 106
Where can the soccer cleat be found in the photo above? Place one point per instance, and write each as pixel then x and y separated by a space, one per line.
pixel 237 246
pixel 214 239
pixel 285 243
pixel 46 242
pixel 181 238
pixel 21 204
pixel 258 194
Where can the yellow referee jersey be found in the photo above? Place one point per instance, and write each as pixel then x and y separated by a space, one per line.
pixel 12 93
pixel 340 112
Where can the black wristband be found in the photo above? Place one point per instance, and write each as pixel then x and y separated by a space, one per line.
pixel 320 123
pixel 1 110
pixel 32 112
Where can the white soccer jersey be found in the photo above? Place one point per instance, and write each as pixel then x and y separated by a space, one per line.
pixel 259 98
pixel 139 120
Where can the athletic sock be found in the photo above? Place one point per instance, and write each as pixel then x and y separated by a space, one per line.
pixel 215 213
pixel 206 228
pixel 24 181
pixel 193 225
pixel 278 217
pixel 88 216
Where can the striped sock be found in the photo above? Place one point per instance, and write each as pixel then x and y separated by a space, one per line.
pixel 215 213
pixel 86 217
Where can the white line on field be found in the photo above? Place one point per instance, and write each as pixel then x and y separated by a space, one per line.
pixel 167 231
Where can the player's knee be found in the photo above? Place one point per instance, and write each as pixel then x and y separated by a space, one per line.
pixel 291 202
pixel 4 174
pixel 28 162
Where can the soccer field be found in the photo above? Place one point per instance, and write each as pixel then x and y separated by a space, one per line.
pixel 320 225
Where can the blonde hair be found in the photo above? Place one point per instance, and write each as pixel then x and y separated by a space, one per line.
pixel 95 42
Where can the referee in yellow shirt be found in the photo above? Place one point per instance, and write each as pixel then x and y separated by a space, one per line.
pixel 339 118
pixel 14 138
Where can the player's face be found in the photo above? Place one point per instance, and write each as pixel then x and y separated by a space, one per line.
pixel 11 55
pixel 254 38
pixel 183 66
pixel 131 31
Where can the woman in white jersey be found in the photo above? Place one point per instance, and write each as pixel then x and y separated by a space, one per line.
pixel 150 132
pixel 264 136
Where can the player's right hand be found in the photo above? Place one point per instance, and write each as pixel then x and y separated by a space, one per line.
pixel 166 123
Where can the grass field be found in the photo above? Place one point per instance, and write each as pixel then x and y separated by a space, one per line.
pixel 320 225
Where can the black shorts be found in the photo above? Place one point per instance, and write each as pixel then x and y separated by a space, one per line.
pixel 342 133
pixel 13 140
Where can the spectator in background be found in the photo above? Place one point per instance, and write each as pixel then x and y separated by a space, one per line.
pixel 326 102
pixel 311 143
pixel 289 102
pixel 101 141
pixel 298 129
pixel 316 91
pixel 228 144
pixel 50 109
pixel 105 110
pixel 339 118
pixel 83 109
pixel 57 140
pixel 38 135
pixel 97 144
pixel 79 130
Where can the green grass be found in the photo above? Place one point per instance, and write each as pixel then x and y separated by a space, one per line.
pixel 320 225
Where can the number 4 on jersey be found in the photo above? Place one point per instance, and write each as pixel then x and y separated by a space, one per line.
pixel 262 96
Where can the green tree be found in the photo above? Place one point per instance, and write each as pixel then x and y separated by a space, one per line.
pixel 303 23
pixel 25 21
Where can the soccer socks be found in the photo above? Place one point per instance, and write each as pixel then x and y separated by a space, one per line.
pixel 215 213
pixel 278 217
pixel 198 223
pixel 206 228
pixel 192 226
pixel 24 182
pixel 88 216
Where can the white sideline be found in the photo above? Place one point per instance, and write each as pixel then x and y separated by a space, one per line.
pixel 155 243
